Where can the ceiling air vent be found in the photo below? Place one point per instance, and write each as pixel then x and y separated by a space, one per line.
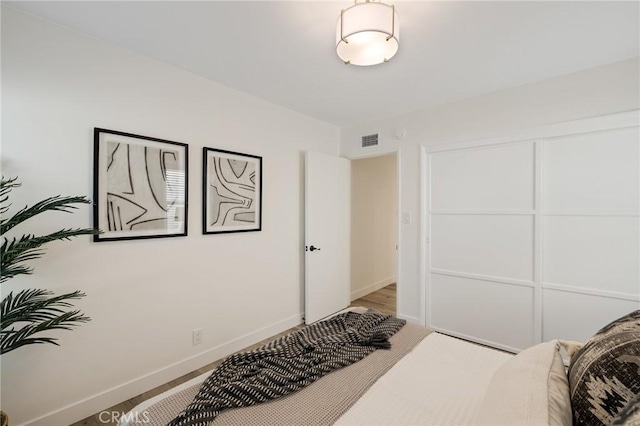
pixel 369 140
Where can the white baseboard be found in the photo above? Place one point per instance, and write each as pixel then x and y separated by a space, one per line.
pixel 410 319
pixel 371 288
pixel 96 403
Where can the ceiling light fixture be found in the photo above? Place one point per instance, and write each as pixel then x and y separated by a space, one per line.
pixel 367 33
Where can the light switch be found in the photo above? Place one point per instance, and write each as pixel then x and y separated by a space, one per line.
pixel 406 218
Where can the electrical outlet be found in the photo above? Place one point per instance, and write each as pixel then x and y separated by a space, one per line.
pixel 197 336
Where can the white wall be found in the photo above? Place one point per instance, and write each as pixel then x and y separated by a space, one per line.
pixel 594 92
pixel 144 297
pixel 374 205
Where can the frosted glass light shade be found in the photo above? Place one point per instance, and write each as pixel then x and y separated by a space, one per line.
pixel 367 34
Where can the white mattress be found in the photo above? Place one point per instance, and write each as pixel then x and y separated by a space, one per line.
pixel 440 382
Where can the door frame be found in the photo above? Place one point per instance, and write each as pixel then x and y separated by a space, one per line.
pixel 395 152
pixel 425 233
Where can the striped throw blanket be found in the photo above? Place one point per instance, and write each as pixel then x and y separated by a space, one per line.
pixel 289 363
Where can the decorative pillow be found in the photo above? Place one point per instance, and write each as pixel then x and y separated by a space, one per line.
pixel 529 389
pixel 570 347
pixel 629 415
pixel 604 375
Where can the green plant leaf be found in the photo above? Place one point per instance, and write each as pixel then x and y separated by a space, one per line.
pixel 33 311
pixel 28 246
pixel 12 339
pixel 33 305
pixel 6 185
pixel 57 203
pixel 13 270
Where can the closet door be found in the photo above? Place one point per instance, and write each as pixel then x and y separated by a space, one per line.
pixel 590 231
pixel 482 247
pixel 539 240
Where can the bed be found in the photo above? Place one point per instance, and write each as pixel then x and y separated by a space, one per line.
pixel 427 378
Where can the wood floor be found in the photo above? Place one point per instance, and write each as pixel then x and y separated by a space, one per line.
pixel 383 300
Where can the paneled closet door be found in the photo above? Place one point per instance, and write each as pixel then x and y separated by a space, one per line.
pixel 482 244
pixel 538 240
pixel 591 231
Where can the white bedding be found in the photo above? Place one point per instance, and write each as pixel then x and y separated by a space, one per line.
pixel 440 382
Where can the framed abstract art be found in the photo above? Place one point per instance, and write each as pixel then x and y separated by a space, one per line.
pixel 232 192
pixel 140 186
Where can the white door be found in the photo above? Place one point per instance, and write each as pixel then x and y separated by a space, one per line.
pixel 536 240
pixel 327 235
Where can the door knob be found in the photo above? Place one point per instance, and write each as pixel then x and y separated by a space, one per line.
pixel 312 248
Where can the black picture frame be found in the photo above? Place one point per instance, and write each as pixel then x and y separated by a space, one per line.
pixel 139 186
pixel 231 192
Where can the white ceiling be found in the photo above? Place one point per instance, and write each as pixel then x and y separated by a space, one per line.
pixel 284 52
